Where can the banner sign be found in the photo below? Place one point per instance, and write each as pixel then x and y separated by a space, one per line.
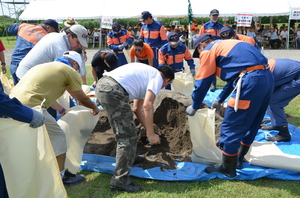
pixel 295 13
pixel 106 22
pixel 244 19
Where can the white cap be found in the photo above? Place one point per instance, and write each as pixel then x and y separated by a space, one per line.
pixel 81 34
pixel 74 56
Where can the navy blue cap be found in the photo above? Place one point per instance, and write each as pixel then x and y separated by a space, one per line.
pixel 227 32
pixel 52 23
pixel 112 60
pixel 145 15
pixel 200 39
pixel 214 12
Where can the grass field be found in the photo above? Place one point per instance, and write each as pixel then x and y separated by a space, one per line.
pixel 97 184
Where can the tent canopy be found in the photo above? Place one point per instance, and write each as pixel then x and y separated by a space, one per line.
pixel 95 9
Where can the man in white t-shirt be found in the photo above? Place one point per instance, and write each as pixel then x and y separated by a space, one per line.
pixel 141 83
pixel 53 46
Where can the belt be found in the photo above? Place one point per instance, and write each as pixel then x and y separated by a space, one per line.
pixel 112 79
pixel 253 68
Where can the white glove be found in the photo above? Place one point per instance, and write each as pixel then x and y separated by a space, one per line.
pixel 190 111
pixel 216 105
pixel 193 72
pixel 37 120
pixel 121 47
pixel 125 44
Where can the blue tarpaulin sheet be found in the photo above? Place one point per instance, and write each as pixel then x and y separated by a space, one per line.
pixel 189 171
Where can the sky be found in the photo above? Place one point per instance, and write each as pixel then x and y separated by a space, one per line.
pixel 7 9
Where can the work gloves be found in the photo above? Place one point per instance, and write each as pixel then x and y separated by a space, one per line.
pixel 190 111
pixel 37 120
pixel 193 72
pixel 216 105
pixel 121 47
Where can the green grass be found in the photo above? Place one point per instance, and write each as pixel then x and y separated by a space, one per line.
pixel 97 184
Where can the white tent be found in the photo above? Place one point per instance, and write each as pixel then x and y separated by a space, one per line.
pixel 93 9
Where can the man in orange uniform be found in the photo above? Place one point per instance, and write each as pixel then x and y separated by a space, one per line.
pixel 250 84
pixel 142 51
pixel 153 33
pixel 117 40
pixel 213 27
pixel 173 53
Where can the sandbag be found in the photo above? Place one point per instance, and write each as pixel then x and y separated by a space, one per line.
pixel 78 123
pixel 126 54
pixel 202 130
pixel 267 154
pixel 183 83
pixel 28 161
pixel 64 100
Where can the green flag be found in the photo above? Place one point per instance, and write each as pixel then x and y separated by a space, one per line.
pixel 190 13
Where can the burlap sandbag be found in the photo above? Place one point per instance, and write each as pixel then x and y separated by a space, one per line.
pixel 202 129
pixel 28 161
pixel 183 83
pixel 78 123
pixel 267 154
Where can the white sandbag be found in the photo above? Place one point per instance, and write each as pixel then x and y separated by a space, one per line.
pixel 78 123
pixel 28 161
pixel 126 54
pixel 202 130
pixel 183 83
pixel 267 154
pixel 64 100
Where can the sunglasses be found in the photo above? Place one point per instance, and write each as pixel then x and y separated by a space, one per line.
pixel 137 50
pixel 117 31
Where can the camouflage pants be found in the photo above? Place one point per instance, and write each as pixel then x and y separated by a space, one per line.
pixel 114 99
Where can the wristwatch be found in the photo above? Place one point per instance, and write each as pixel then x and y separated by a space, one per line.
pixel 3 63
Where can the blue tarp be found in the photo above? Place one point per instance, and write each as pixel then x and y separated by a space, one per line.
pixel 189 171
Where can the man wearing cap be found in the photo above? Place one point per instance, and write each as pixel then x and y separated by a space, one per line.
pixel 28 36
pixel 140 83
pixel 68 23
pixel 228 32
pixel 153 33
pixel 103 60
pixel 250 84
pixel 213 27
pixel 142 52
pixel 173 53
pixel 117 40
pixel 49 81
pixel 53 46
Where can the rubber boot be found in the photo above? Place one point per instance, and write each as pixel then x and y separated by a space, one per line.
pixel 227 168
pixel 282 136
pixel 243 150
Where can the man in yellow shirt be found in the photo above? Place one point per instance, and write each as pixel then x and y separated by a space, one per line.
pixel 48 82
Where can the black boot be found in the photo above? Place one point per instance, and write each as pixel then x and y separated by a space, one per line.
pixel 227 168
pixel 243 150
pixel 282 136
